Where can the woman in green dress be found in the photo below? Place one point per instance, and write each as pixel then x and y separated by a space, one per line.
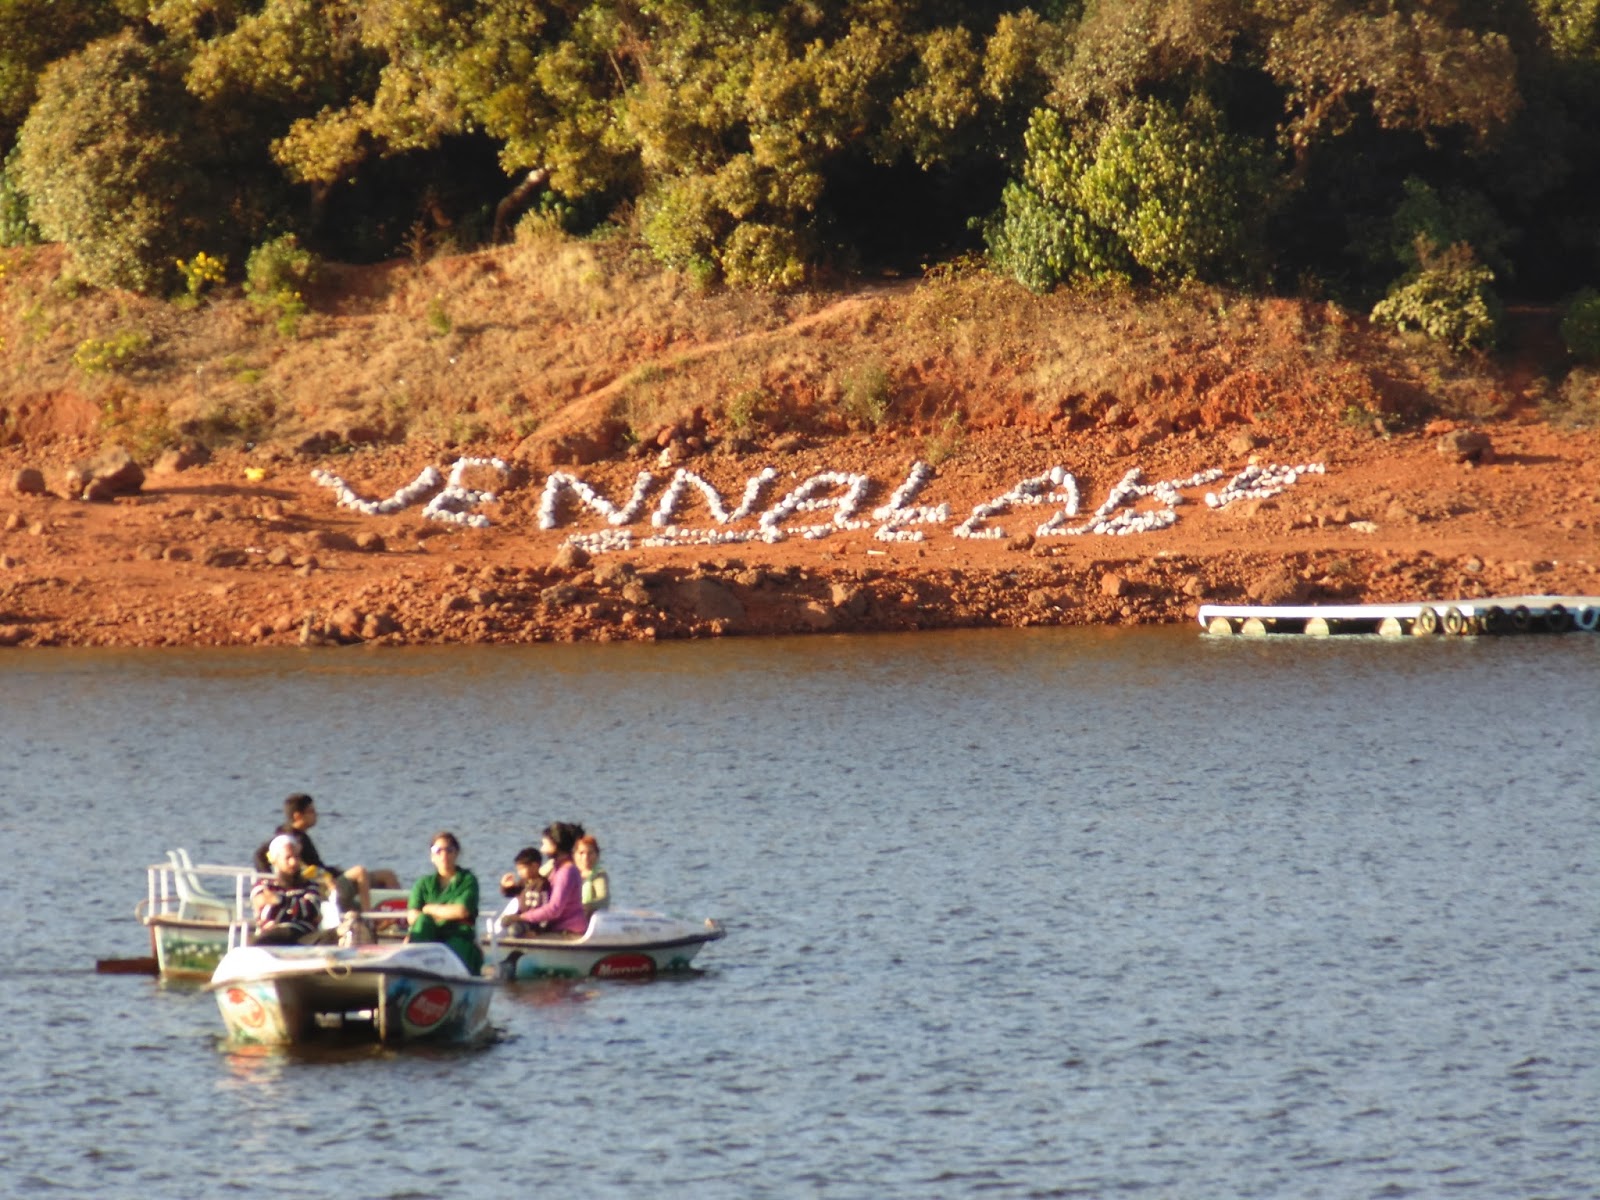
pixel 444 905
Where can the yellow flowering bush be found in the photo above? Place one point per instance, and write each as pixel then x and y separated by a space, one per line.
pixel 200 272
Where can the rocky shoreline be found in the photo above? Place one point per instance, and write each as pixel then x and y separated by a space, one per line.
pixel 251 549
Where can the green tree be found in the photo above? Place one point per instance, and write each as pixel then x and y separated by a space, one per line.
pixel 1158 193
pixel 110 162
pixel 33 34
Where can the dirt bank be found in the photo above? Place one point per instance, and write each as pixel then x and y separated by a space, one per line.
pixel 247 547
pixel 209 556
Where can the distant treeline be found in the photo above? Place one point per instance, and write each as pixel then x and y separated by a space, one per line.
pixel 1353 148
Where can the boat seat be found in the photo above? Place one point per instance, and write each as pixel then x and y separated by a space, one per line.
pixel 194 898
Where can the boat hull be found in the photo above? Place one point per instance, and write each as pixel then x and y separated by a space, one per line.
pixel 627 944
pixel 285 995
pixel 187 949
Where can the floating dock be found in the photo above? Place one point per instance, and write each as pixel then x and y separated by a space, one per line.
pixel 1451 618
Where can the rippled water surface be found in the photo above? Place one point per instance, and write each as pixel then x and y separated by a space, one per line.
pixel 1024 913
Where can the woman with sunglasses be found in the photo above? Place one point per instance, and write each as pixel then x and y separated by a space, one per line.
pixel 444 905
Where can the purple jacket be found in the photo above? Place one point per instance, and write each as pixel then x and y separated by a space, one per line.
pixel 563 911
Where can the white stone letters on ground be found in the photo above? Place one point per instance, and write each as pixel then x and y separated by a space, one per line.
pixel 448 499
pixel 1129 507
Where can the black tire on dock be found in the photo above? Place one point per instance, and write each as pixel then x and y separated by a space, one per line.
pixel 1557 619
pixel 1588 619
pixel 1521 618
pixel 1455 622
pixel 1494 619
pixel 1427 620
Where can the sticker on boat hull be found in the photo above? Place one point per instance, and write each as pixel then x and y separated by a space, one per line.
pixel 624 966
pixel 246 1008
pixel 428 1007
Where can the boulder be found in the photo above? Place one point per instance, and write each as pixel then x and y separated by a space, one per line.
pixel 181 458
pixel 1279 586
pixel 704 600
pixel 570 557
pixel 328 539
pixel 346 623
pixel 1466 445
pixel 28 481
pixel 614 573
pixel 818 617
pixel 314 445
pixel 110 473
pixel 224 556
pixel 850 599
pixel 378 625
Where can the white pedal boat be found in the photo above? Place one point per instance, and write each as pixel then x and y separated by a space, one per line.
pixel 619 944
pixel 189 908
pixel 282 995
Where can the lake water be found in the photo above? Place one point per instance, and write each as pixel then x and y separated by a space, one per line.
pixel 1025 913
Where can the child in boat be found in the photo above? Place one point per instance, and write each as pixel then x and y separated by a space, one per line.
pixel 525 884
pixel 596 883
pixel 562 910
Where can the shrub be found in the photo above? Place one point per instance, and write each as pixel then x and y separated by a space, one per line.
pixel 744 411
pixel 110 163
pixel 98 356
pixel 439 318
pixel 1577 403
pixel 1426 216
pixel 1172 195
pixel 1580 326
pixel 279 265
pixel 866 395
pixel 200 272
pixel 763 256
pixel 1449 300
pixel 15 227
pixel 276 274
pixel 946 442
pixel 681 222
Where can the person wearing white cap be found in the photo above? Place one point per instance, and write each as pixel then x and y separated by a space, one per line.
pixel 288 906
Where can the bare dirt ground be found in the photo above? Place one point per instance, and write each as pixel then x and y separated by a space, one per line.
pixel 572 359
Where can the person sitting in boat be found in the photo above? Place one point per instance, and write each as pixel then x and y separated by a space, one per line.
pixel 525 883
pixel 562 910
pixel 444 903
pixel 353 886
pixel 596 883
pixel 287 905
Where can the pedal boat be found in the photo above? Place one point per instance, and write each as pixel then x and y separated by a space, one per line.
pixel 619 944
pixel 287 995
pixel 189 908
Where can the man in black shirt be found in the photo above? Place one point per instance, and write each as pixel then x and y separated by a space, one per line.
pixel 299 815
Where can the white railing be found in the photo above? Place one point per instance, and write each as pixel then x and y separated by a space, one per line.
pixel 186 890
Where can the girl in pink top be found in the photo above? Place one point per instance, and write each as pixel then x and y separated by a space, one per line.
pixel 562 911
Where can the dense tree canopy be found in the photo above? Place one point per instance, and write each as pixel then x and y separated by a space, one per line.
pixel 1333 144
